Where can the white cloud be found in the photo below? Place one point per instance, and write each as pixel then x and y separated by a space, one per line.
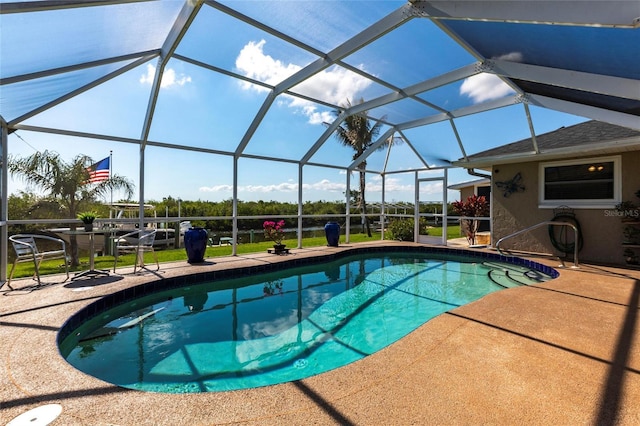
pixel 316 117
pixel 169 77
pixel 513 57
pixel 390 185
pixel 216 188
pixel 253 63
pixel 322 185
pixel 334 85
pixel 374 185
pixel 280 187
pixel 431 189
pixel 325 185
pixel 485 87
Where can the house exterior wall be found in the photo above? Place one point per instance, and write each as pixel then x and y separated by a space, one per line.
pixel 467 192
pixel 601 228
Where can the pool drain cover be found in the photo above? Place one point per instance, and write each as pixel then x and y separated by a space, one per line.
pixel 39 416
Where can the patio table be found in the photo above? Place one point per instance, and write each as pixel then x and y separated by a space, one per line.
pixel 91 272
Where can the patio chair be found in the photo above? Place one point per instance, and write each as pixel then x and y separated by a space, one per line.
pixel 31 248
pixel 139 242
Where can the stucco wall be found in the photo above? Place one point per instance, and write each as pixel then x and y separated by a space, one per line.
pixel 601 228
pixel 466 192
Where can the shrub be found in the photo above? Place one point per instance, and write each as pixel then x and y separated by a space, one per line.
pixel 474 206
pixel 402 229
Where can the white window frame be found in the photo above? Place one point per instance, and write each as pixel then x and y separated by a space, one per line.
pixel 583 204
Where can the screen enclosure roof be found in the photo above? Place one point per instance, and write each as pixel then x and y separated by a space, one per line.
pixel 445 78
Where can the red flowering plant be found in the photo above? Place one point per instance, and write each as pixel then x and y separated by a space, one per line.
pixel 274 231
pixel 474 206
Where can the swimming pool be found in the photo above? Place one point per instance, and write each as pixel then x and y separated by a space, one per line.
pixel 277 326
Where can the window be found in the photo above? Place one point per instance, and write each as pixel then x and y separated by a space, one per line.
pixel 585 183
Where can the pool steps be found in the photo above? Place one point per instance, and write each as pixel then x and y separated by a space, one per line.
pixel 509 276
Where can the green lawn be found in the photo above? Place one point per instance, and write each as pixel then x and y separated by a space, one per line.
pixel 172 255
pixel 453 231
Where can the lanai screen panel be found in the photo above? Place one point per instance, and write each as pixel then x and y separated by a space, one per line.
pixel 592 50
pixel 402 111
pixel 54 52
pixel 24 96
pixel 606 51
pixel 288 130
pixel 44 40
pixel 414 52
pixel 59 44
pixel 210 110
pixel 226 43
pixel 321 25
pixel 337 85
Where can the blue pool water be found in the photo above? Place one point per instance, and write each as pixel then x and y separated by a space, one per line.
pixel 278 326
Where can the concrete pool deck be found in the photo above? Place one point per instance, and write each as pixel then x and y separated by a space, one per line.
pixel 563 352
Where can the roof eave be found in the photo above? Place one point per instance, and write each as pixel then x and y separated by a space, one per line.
pixel 609 147
pixel 470 183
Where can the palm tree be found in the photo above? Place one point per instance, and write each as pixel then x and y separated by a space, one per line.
pixel 66 183
pixel 357 132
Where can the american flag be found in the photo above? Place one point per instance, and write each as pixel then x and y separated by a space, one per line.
pixel 99 172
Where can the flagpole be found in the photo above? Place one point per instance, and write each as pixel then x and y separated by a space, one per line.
pixel 110 175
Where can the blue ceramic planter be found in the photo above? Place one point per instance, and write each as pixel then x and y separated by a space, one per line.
pixel 332 232
pixel 195 242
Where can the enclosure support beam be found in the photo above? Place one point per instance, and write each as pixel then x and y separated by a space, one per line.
pixel 382 207
pixel 416 209
pixel 300 205
pixel 234 212
pixel 445 202
pixel 4 203
pixel 534 141
pixel 347 231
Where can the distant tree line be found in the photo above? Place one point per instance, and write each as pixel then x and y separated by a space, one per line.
pixel 27 205
pixel 169 206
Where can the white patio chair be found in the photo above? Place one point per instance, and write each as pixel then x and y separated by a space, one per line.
pixel 31 248
pixel 139 242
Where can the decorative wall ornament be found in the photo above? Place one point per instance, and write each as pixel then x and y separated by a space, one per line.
pixel 511 186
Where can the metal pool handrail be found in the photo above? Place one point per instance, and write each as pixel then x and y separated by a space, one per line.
pixel 537 225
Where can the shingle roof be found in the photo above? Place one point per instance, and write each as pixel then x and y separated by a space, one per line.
pixel 582 135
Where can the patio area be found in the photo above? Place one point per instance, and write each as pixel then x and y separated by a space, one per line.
pixel 563 352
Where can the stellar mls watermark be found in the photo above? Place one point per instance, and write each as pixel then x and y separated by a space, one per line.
pixel 623 214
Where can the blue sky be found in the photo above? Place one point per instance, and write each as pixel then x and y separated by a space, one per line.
pixel 201 108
